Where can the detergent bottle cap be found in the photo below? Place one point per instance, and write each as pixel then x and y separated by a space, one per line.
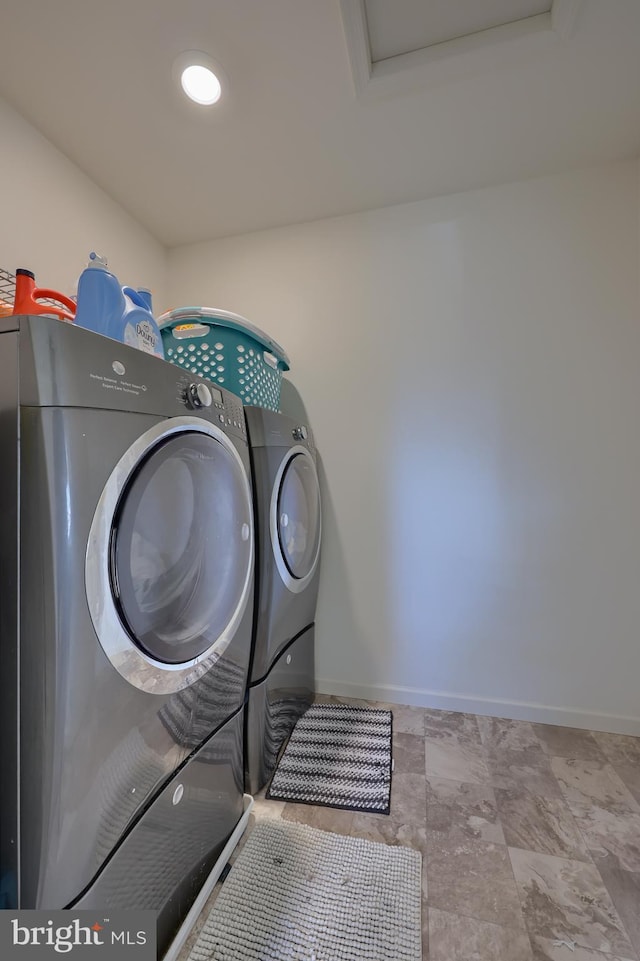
pixel 95 260
pixel 23 272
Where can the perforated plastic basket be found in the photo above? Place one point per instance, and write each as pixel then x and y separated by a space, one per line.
pixel 227 349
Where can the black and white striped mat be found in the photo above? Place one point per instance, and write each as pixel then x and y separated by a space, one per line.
pixel 338 756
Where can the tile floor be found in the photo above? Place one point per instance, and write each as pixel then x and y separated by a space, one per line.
pixel 530 836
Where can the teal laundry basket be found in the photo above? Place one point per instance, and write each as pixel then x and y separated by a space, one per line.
pixel 226 349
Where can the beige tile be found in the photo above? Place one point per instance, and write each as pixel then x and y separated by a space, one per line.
pixel 568 742
pixel 326 819
pixel 474 879
pixel 499 734
pixel 543 824
pixel 453 747
pixel 408 798
pixel 546 950
pixel 455 760
pixel 463 810
pixel 619 747
pixel 408 754
pixel 452 725
pixel 263 808
pixel 623 753
pixel 624 888
pixel 453 937
pixel 406 719
pixel 607 814
pixel 527 769
pixel 564 899
pixel 589 784
pixel 629 773
pixel 388 831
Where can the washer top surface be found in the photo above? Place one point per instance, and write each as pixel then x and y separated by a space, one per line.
pixel 66 366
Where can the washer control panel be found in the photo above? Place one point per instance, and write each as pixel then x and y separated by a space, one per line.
pixel 217 404
pixel 199 395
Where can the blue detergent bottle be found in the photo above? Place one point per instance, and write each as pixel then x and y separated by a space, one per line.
pixel 121 313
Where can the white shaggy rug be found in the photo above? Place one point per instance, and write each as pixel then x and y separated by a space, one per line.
pixel 299 894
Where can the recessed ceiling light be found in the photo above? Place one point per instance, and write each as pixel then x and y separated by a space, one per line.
pixel 201 84
pixel 199 76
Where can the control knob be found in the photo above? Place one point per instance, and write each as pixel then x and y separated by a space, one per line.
pixel 199 395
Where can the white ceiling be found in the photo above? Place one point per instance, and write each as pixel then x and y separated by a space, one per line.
pixel 293 141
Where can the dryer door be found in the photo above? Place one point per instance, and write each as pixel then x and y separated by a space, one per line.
pixel 295 521
pixel 170 555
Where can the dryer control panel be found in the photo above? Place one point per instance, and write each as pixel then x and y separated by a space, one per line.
pixel 270 429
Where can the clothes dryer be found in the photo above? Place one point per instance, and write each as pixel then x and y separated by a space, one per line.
pixel 288 527
pixel 127 551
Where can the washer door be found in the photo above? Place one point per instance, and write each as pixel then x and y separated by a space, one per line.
pixel 170 555
pixel 295 520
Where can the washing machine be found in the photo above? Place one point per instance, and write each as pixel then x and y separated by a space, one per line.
pixel 288 534
pixel 127 553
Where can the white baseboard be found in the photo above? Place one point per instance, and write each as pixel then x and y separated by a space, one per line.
pixel 517 710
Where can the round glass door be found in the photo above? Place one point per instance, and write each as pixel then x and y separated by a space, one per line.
pixel 169 559
pixel 298 518
pixel 180 547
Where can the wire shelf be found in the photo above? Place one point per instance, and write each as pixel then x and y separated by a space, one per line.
pixel 7 291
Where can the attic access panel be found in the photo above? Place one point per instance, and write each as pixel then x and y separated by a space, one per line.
pixel 400 45
pixel 395 27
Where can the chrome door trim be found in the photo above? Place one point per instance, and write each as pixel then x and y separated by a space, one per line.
pixel 294 584
pixel 141 670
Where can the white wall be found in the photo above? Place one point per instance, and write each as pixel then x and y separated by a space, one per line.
pixel 52 216
pixel 471 368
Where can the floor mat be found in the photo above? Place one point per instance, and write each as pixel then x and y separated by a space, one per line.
pixel 338 756
pixel 299 893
